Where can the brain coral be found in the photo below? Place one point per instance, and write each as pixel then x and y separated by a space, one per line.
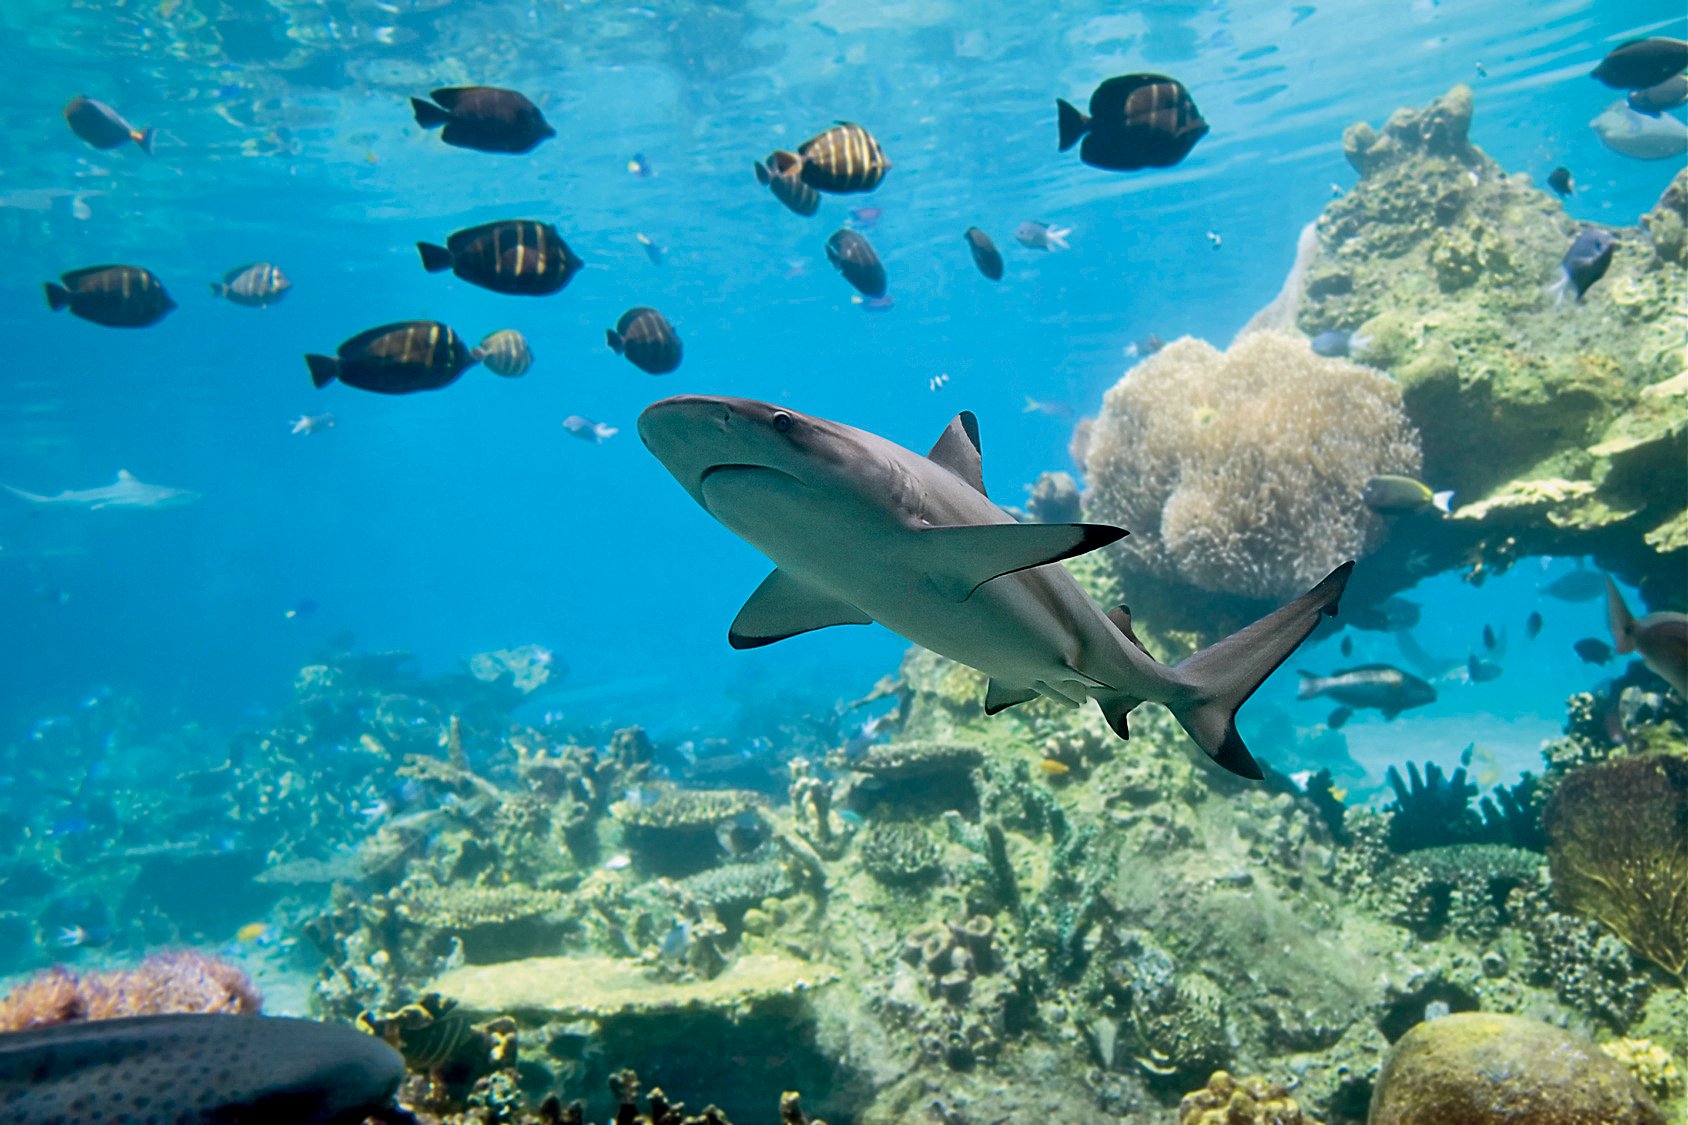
pixel 1241 471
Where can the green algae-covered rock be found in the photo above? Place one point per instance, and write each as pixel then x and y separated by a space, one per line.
pixel 1482 1068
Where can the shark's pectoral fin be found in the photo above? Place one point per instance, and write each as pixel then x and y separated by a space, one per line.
pixel 1000 696
pixel 783 606
pixel 961 559
pixel 958 450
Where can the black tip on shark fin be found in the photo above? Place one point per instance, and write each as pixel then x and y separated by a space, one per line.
pixel 1000 696
pixel 1234 756
pixel 957 449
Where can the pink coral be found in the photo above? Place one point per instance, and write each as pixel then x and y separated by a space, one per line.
pixel 167 982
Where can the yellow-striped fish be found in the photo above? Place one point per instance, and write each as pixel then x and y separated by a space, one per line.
pixel 517 256
pixel 781 174
pixel 396 359
pixel 646 338
pixel 505 352
pixel 841 160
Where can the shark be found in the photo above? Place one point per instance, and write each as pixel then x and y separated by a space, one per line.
pixel 863 530
pixel 125 492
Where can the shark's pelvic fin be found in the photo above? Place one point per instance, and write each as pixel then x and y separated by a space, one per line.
pixel 1000 696
pixel 958 450
pixel 783 606
pixel 1120 615
pixel 961 559
pixel 1224 675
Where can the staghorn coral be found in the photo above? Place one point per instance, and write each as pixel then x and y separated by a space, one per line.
pixel 1241 1101
pixel 1629 872
pixel 168 982
pixel 1241 472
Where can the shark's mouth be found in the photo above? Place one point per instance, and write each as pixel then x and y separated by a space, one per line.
pixel 738 467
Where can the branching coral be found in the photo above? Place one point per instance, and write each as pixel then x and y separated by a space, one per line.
pixel 1618 849
pixel 1433 810
pixel 1241 472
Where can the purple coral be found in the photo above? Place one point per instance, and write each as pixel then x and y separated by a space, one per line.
pixel 167 982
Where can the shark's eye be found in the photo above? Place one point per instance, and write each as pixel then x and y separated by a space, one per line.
pixel 782 421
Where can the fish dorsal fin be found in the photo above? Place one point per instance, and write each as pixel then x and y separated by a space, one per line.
pixel 125 475
pixel 958 450
pixel 1121 617
pixel 961 559
pixel 1000 696
pixel 783 606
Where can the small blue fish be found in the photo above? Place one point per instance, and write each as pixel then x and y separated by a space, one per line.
pixel 1337 343
pixel 653 251
pixel 640 166
pixel 1585 262
pixel 676 942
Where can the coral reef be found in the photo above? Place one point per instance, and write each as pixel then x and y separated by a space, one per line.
pixel 164 983
pixel 1241 472
pixel 1558 425
pixel 1631 871
pixel 1488 1069
pixel 1241 1101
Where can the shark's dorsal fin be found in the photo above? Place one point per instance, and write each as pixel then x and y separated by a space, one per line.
pixel 783 606
pixel 961 559
pixel 1000 696
pixel 958 450
pixel 1120 615
pixel 125 474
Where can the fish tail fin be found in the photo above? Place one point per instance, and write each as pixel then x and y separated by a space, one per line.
pixel 428 115
pixel 1058 237
pixel 1620 619
pixel 324 369
pixel 477 355
pixel 144 138
pixel 763 176
pixel 613 339
pixel 1309 685
pixel 218 289
pixel 435 259
pixel 1072 123
pixel 1223 676
pixel 1443 502
pixel 57 296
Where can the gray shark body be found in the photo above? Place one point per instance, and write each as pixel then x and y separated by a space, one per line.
pixel 862 529
pixel 125 492
pixel 198 1070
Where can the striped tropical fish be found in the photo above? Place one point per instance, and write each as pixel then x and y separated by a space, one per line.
pixel 254 286
pixel 646 338
pixel 115 296
pixel 841 160
pixel 396 359
pixel 506 353
pixel 781 174
pixel 517 256
pixel 854 256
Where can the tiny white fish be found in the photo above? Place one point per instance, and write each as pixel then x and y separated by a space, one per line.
pixel 1214 239
pixel 618 862
pixel 587 430
pixel 1335 190
pixel 936 382
pixel 311 423
pixel 1042 236
pixel 72 936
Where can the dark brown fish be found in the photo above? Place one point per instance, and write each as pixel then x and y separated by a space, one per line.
pixel 256 1070
pixel 254 286
pixel 781 174
pixel 851 252
pixel 115 296
pixel 514 256
pixel 985 254
pixel 484 118
pixel 396 359
pixel 841 160
pixel 1136 121
pixel 103 127
pixel 646 338
pixel 1642 63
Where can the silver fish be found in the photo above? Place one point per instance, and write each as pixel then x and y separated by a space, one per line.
pixel 505 352
pixel 256 286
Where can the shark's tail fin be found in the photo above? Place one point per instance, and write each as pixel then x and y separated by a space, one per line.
pixel 1224 675
pixel 32 497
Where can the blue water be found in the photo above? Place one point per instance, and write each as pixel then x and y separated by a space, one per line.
pixel 466 520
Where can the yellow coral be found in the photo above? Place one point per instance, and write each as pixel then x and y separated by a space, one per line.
pixel 1650 1063
pixel 1241 1101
